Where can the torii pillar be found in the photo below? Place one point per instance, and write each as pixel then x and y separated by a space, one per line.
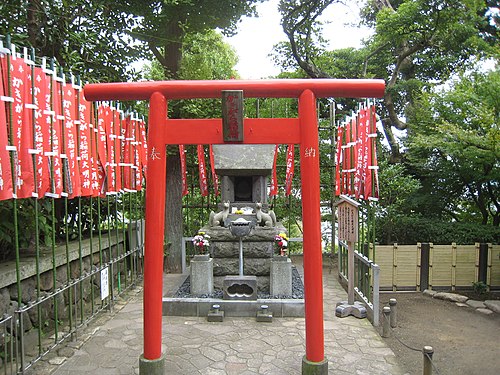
pixel 302 130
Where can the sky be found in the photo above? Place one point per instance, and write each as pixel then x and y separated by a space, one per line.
pixel 256 36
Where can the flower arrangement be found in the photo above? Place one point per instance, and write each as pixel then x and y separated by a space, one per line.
pixel 239 212
pixel 200 241
pixel 282 243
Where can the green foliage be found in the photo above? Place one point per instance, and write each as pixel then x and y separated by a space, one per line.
pixel 479 287
pixel 412 229
pixel 455 149
pixel 26 225
pixel 87 37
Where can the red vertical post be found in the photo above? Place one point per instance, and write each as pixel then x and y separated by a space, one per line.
pixel 313 265
pixel 155 222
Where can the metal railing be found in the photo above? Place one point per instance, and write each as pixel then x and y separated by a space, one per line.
pixel 366 280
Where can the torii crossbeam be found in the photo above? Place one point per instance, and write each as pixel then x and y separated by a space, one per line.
pixel 302 130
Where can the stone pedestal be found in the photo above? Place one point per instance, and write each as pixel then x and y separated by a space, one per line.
pixel 257 253
pixel 240 287
pixel 202 275
pixel 281 276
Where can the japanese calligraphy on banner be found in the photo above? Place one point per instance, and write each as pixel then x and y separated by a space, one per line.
pixel 70 141
pixel 57 141
pixel 5 167
pixel 22 128
pixel 202 171
pixel 85 146
pixel 42 130
pixel 214 175
pixel 290 164
pixel 356 161
pixel 182 154
pixel 274 179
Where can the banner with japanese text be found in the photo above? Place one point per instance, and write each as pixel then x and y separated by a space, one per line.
pixel 5 166
pixel 215 178
pixel 182 154
pixel 274 180
pixel 52 144
pixel 202 171
pixel 21 127
pixel 356 161
pixel 290 165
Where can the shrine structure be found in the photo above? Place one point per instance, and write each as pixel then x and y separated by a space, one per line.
pixel 302 131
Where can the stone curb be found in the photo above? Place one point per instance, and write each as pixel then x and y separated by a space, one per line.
pixel 487 307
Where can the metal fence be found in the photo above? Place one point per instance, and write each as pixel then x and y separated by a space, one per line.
pixel 53 293
pixel 366 280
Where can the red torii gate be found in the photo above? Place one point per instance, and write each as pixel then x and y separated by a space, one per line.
pixel 302 130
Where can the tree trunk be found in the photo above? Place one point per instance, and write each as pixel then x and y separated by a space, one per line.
pixel 173 213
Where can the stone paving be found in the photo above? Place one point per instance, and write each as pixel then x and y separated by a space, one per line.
pixel 235 346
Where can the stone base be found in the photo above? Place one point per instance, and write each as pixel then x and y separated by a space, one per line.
pixel 151 366
pixel 357 310
pixel 314 368
pixel 280 283
pixel 215 316
pixel 202 276
pixel 264 316
pixel 262 283
pixel 240 287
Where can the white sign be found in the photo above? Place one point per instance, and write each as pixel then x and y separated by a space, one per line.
pixel 104 283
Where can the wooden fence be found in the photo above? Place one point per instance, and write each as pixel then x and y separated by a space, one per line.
pixel 428 266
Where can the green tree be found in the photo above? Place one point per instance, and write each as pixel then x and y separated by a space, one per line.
pixel 163 25
pixel 455 149
pixel 204 56
pixel 87 37
pixel 417 43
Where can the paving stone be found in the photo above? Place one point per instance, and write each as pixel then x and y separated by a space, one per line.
pixel 57 360
pixel 428 292
pixel 475 304
pixel 485 311
pixel 235 346
pixel 493 305
pixel 460 304
pixel 452 297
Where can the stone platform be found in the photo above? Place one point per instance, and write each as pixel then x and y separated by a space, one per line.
pixel 258 250
pixel 235 346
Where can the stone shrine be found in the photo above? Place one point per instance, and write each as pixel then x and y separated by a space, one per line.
pixel 244 171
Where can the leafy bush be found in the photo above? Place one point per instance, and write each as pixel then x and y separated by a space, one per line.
pixel 410 230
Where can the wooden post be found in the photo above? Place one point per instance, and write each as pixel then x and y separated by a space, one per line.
pixel 428 351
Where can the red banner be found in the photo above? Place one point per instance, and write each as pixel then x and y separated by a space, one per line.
pixel 215 178
pixel 182 155
pixel 117 125
pixel 143 146
pixel 22 128
pixel 274 180
pixel 338 162
pixel 137 156
pixel 55 136
pixel 359 177
pixel 85 144
pixel 371 186
pixel 5 166
pixel 110 117
pixel 290 165
pixel 128 156
pixel 104 121
pixel 70 137
pixel 202 171
pixel 42 131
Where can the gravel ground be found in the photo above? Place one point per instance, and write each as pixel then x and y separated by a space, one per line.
pixel 297 290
